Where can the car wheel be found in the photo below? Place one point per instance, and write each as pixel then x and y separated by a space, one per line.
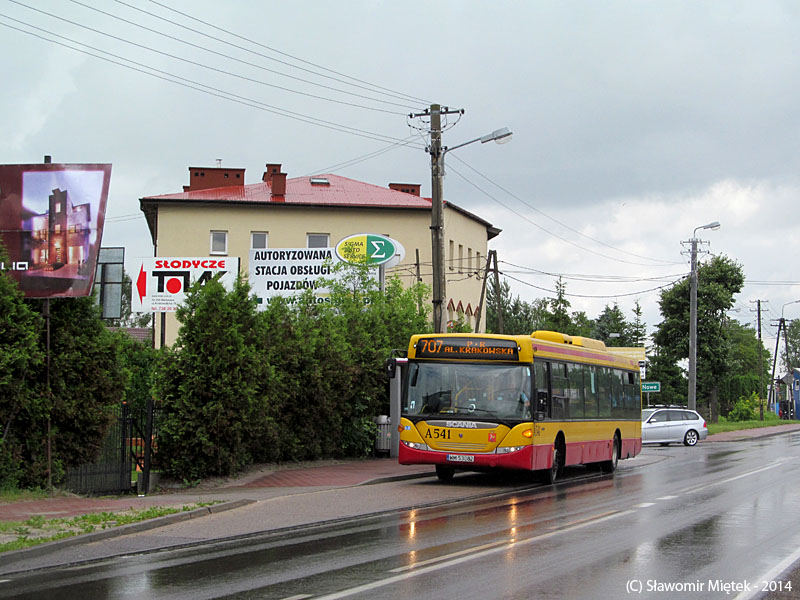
pixel 445 473
pixel 691 437
pixel 609 466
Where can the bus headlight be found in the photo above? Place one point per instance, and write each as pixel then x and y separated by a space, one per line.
pixel 509 449
pixel 416 446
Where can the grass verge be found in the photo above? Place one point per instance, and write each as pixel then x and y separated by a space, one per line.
pixel 737 425
pixel 16 535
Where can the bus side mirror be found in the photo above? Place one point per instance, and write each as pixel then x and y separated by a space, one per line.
pixel 390 368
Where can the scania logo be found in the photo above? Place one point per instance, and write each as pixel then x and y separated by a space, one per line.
pixel 462 424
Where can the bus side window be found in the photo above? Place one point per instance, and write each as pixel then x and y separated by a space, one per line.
pixel 541 372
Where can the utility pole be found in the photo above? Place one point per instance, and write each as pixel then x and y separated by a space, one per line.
pixel 437 152
pixel 692 396
pixel 773 391
pixel 760 366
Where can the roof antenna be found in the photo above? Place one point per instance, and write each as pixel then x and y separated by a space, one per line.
pixel 219 163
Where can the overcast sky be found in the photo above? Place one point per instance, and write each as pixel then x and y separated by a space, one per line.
pixel 633 123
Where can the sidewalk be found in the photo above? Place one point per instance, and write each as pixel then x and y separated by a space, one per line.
pixel 258 485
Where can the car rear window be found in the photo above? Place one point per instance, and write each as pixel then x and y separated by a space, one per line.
pixel 690 416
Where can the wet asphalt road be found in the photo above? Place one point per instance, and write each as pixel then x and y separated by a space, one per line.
pixel 715 521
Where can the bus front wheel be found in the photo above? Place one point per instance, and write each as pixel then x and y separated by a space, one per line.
pixel 553 474
pixel 445 473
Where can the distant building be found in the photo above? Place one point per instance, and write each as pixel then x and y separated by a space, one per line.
pixel 218 214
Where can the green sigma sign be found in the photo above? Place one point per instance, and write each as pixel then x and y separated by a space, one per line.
pixel 369 249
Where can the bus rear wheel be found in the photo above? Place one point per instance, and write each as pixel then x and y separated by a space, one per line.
pixel 609 466
pixel 445 473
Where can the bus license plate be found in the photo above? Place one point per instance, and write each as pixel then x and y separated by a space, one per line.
pixel 460 458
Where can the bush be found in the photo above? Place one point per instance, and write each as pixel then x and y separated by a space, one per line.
pixel 745 409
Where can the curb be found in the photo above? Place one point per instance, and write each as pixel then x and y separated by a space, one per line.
pixel 96 536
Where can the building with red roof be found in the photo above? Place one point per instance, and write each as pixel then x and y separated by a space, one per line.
pixel 217 214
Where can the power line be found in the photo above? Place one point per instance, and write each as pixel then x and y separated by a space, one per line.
pixel 192 84
pixel 640 293
pixel 372 87
pixel 664 262
pixel 222 71
pixel 548 232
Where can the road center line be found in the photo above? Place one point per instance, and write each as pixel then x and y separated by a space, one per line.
pixel 479 554
pixel 710 485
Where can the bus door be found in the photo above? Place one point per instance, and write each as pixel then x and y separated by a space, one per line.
pixel 542 391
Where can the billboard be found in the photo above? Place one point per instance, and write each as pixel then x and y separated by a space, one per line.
pixel 161 282
pixel 290 271
pixel 51 224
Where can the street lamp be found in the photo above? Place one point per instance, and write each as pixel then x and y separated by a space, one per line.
pixel 437 152
pixel 692 400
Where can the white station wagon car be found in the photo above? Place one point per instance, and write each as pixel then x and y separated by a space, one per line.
pixel 667 425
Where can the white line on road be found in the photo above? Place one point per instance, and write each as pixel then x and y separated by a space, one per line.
pixel 479 554
pixel 770 575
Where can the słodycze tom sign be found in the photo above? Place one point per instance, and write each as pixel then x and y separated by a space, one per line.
pixel 161 282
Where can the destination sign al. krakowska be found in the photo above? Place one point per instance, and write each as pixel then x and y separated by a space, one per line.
pixel 467 348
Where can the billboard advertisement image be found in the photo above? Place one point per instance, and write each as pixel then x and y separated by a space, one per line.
pixel 51 224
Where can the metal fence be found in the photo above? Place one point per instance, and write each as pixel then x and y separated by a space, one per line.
pixel 128 447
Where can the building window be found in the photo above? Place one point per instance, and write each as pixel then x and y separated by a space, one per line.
pixel 318 240
pixel 58 227
pixel 478 263
pixel 470 271
pixel 460 258
pixel 452 255
pixel 219 242
pixel 258 240
pixel 57 207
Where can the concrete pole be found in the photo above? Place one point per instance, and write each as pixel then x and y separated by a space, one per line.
pixel 437 219
pixel 692 397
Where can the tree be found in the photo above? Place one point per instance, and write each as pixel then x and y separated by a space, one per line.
pixel 637 329
pixel 519 316
pixel 612 328
pixel 719 280
pixel 558 318
pixel 746 373
pixel 20 360
pixel 213 385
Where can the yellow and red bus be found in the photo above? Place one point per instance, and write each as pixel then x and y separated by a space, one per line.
pixel 536 402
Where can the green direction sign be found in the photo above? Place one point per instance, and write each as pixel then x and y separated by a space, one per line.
pixel 651 386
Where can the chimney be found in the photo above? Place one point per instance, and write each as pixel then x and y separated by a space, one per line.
pixel 278 187
pixel 408 188
pixel 272 169
pixel 203 178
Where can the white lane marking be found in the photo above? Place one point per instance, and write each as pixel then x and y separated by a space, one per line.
pixel 645 504
pixel 770 575
pixel 667 498
pixel 298 597
pixel 430 561
pixel 456 561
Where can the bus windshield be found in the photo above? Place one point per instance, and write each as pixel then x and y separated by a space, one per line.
pixel 479 390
